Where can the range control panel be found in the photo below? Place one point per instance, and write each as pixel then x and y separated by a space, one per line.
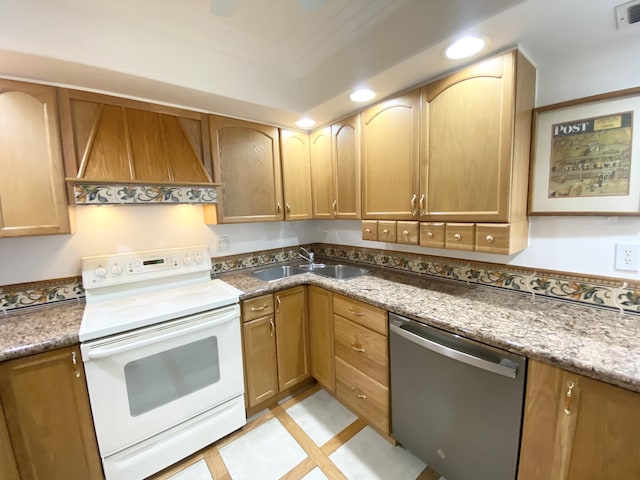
pixel 122 268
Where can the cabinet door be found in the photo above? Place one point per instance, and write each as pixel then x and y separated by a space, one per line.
pixel 246 159
pixel 346 167
pixel 48 416
pixel 296 175
pixel 32 186
pixel 321 337
pixel 467 133
pixel 321 173
pixel 8 467
pixel 590 435
pixel 292 337
pixel 260 369
pixel 390 182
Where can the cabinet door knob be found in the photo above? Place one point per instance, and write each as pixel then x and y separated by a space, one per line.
pixel 414 212
pixel 272 327
pixel 405 233
pixel 288 208
pixel 568 399
pixel 490 238
pixel 278 207
pixel 278 303
pixel 385 231
pixel 421 205
pixel 334 206
pixel 367 230
pixel 429 234
pixel 457 237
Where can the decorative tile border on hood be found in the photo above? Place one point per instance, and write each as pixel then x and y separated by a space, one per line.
pixel 123 194
pixel 21 296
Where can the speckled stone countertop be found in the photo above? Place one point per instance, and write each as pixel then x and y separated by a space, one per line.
pixel 598 343
pixel 39 329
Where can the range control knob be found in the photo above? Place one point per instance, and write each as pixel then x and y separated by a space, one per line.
pixel 101 272
pixel 116 269
pixel 187 260
pixel 198 258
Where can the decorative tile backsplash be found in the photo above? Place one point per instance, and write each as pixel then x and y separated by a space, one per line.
pixel 611 293
pixel 104 194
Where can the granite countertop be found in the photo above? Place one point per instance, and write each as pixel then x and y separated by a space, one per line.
pixel 595 342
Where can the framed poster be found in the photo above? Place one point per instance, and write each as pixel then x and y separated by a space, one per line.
pixel 586 156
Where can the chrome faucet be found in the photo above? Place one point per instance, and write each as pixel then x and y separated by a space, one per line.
pixel 308 257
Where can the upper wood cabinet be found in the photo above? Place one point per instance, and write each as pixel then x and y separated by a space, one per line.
pixel 390 158
pixel 577 428
pixel 110 139
pixel 296 175
pixel 246 159
pixel 321 173
pixel 475 142
pixel 32 188
pixel 48 417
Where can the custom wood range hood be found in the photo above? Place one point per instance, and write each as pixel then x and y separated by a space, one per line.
pixel 122 151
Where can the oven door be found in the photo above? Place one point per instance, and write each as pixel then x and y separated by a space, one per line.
pixel 145 381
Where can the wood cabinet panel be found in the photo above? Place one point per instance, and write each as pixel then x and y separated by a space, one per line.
pixel 390 159
pixel 346 167
pixel 321 173
pixel 296 175
pixel 8 467
pixel 321 337
pixel 596 439
pixel 432 234
pixel 33 195
pixel 292 336
pixel 362 313
pixel 460 236
pixel 362 348
pixel 387 230
pixel 48 416
pixel 246 159
pixel 261 369
pixel 363 395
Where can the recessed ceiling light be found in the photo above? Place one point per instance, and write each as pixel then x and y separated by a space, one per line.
pixel 362 95
pixel 224 8
pixel 464 47
pixel 305 123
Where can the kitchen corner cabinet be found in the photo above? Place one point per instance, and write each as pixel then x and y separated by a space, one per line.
pixel 321 337
pixel 296 175
pixel 577 428
pixel 246 161
pixel 48 417
pixel 118 140
pixel 335 170
pixel 275 333
pixel 32 187
pixel 390 158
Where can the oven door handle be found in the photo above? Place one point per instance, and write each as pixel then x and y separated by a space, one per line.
pixel 95 353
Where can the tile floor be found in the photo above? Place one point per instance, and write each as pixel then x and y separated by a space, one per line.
pixel 310 436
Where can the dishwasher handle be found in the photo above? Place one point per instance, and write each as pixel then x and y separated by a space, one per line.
pixel 454 354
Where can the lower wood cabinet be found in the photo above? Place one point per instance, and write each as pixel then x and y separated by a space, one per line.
pixel 578 428
pixel 321 337
pixel 275 334
pixel 49 428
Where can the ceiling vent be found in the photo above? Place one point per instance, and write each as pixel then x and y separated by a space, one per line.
pixel 628 14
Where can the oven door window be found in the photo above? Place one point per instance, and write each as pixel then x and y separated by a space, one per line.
pixel 161 378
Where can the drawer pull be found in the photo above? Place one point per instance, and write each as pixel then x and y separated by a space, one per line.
pixel 357 348
pixel 568 399
pixel 367 230
pixel 356 313
pixel 278 303
pixel 288 207
pixel 457 237
pixel 429 234
pixel 385 231
pixel 334 207
pixel 490 238
pixel 405 233
pixel 359 395
pixel 257 309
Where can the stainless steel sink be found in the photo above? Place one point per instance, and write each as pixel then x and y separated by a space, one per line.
pixel 341 272
pixel 276 273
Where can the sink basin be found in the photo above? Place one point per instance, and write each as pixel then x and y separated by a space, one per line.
pixel 341 272
pixel 276 273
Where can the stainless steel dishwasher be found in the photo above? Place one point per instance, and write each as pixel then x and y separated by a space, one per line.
pixel 455 403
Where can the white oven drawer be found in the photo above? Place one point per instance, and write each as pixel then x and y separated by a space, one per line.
pixel 146 381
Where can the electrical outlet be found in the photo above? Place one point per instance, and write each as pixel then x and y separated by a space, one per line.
pixel 628 256
pixel 223 243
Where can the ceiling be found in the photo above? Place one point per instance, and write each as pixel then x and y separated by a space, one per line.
pixel 275 61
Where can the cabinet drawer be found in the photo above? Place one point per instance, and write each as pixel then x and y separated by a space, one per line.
pixel 502 238
pixel 369 230
pixel 363 395
pixel 460 236
pixel 432 234
pixel 366 315
pixel 362 348
pixel 257 307
pixel 386 231
pixel 407 232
